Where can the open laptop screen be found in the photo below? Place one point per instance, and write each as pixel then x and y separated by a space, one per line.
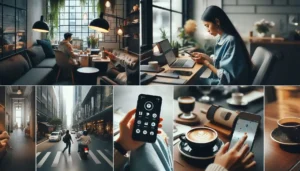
pixel 167 50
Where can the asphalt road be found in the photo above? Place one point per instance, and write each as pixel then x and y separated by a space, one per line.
pixel 50 157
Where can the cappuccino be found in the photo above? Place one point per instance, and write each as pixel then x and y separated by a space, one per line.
pixel 201 135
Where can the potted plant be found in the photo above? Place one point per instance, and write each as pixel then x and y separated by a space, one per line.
pixel 187 33
pixel 175 46
pixel 93 40
pixel 55 7
pixel 263 26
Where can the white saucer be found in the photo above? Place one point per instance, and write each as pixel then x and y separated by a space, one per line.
pixel 231 102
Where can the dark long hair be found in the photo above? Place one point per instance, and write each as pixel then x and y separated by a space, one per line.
pixel 214 12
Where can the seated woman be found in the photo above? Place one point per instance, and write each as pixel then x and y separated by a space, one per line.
pixel 231 63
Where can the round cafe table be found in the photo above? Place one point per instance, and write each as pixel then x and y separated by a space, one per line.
pixel 87 75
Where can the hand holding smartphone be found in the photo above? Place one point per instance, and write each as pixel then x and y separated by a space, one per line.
pixel 147 118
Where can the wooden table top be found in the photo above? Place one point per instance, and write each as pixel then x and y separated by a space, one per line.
pixel 279 157
pixel 194 70
pixel 180 162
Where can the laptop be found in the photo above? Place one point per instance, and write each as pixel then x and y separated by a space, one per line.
pixel 166 48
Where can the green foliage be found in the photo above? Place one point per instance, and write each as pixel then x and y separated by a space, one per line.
pixel 186 38
pixel 175 44
pixel 163 34
pixel 55 121
pixel 262 29
pixel 55 7
pixel 82 3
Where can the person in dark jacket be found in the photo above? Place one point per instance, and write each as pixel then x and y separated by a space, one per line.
pixel 68 140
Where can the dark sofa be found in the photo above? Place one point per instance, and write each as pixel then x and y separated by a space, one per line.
pixel 29 67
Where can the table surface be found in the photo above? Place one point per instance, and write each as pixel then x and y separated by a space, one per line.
pixel 183 164
pixel 278 157
pixel 194 70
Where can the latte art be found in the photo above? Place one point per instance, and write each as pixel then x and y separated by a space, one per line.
pixel 201 135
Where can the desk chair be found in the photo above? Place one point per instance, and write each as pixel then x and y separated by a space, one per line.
pixel 62 62
pixel 263 61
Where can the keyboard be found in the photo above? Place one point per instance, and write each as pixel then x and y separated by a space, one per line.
pixel 179 63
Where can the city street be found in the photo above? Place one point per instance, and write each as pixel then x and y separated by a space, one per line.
pixel 21 156
pixel 50 157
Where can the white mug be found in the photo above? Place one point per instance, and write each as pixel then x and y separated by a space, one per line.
pixel 237 97
pixel 154 64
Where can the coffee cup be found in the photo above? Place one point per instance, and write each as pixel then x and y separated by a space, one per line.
pixel 186 105
pixel 237 97
pixel 291 127
pixel 200 137
pixel 154 64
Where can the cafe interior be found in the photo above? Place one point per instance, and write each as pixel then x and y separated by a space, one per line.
pixel 226 111
pixel 32 30
pixel 269 29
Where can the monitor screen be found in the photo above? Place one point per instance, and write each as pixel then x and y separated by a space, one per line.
pixel 170 56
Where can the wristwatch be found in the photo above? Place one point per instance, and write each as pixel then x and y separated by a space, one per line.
pixel 120 148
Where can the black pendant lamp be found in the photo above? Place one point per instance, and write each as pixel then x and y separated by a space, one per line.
pixel 100 24
pixel 41 26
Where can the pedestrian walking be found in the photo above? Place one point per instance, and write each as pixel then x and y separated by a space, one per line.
pixel 67 139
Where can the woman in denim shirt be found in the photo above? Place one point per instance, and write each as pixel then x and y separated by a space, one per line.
pixel 231 60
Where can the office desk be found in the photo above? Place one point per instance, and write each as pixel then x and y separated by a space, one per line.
pixel 278 157
pixel 197 71
pixel 182 163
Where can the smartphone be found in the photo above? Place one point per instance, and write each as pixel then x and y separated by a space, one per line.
pixel 191 55
pixel 246 123
pixel 147 118
pixel 180 72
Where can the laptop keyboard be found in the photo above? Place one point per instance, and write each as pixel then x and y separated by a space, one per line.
pixel 179 63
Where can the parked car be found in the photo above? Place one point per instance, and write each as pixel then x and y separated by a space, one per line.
pixel 72 132
pixel 79 133
pixel 55 136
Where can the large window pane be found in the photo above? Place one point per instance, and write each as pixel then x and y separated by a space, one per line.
pixel 162 3
pixel 177 5
pixel 161 20
pixel 176 24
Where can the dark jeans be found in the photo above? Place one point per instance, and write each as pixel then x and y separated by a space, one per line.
pixel 68 144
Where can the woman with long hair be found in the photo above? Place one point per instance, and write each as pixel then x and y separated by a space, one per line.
pixel 231 63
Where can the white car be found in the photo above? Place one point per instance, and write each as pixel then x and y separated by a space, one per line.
pixel 55 136
pixel 72 132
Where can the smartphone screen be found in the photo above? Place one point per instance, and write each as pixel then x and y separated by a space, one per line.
pixel 147 118
pixel 246 123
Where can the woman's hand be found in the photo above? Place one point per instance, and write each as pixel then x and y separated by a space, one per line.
pixel 110 55
pixel 236 158
pixel 126 128
pixel 201 57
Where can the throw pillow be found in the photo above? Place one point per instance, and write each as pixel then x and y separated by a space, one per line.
pixel 46 45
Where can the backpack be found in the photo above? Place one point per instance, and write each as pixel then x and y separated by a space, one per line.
pixel 65 139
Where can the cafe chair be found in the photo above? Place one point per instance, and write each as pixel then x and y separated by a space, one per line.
pixel 263 61
pixel 63 63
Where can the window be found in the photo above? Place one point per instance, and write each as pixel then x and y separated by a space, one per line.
pixel 75 19
pixel 18 115
pixel 167 16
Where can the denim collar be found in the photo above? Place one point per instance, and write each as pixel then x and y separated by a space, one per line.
pixel 221 39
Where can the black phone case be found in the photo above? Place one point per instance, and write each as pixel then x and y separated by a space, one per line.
pixel 147 118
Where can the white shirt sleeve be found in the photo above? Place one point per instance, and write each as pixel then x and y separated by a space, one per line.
pixel 220 73
pixel 215 167
pixel 213 58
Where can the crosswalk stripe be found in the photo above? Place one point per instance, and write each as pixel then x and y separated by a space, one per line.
pixel 94 157
pixel 37 154
pixel 40 164
pixel 105 158
pixel 56 159
pixel 108 152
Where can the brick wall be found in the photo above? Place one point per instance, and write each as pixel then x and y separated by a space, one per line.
pixel 244 13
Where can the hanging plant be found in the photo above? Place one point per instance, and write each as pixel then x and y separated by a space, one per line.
pixel 101 6
pixel 55 7
pixel 82 3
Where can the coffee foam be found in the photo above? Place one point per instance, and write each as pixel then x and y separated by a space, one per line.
pixel 186 100
pixel 201 135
